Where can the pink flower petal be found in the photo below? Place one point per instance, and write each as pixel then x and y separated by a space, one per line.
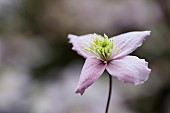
pixel 129 69
pixel 80 43
pixel 91 71
pixel 128 42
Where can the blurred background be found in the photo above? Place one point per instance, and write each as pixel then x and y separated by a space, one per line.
pixel 39 71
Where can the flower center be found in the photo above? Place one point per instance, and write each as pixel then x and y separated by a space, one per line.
pixel 102 47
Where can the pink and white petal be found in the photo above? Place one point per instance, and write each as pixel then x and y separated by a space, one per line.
pixel 80 43
pixel 129 69
pixel 91 71
pixel 128 42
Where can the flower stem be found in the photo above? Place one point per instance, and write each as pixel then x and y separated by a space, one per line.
pixel 109 95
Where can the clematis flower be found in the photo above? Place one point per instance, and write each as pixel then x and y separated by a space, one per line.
pixel 111 54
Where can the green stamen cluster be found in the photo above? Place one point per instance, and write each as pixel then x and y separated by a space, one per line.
pixel 101 46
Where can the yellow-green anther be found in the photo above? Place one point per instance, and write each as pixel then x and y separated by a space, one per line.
pixel 102 46
pixel 86 50
pixel 102 50
pixel 98 50
pixel 103 53
pixel 110 50
pixel 117 49
pixel 106 50
pixel 105 36
pixel 97 58
pixel 91 51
